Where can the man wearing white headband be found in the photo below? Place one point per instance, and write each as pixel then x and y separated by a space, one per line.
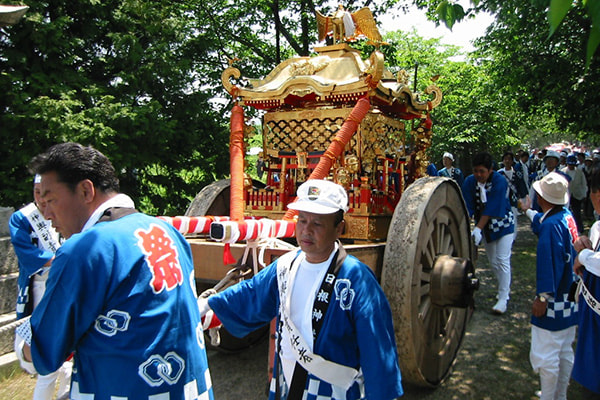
pixel 35 242
pixel 335 338
pixel 450 171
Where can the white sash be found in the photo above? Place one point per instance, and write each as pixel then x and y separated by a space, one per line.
pixel 328 371
pixel 588 296
pixel 47 236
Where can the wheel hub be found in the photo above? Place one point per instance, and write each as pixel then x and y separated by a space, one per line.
pixel 453 282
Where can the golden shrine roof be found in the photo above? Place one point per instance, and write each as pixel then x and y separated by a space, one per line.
pixel 336 75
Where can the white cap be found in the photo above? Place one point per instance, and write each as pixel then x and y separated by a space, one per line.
pixel 320 197
pixel 552 153
pixel 553 188
pixel 448 155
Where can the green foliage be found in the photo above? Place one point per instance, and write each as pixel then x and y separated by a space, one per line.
pixel 550 81
pixel 472 116
pixel 547 77
pixel 557 12
pixel 451 12
pixel 123 76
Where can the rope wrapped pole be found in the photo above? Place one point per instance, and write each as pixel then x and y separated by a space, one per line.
pixel 236 164
pixel 337 145
pixel 186 225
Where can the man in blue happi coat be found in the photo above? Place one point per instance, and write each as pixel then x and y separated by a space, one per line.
pixel 120 293
pixel 554 315
pixel 335 338
pixel 486 196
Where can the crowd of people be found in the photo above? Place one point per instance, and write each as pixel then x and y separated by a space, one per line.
pixel 556 191
pixel 113 289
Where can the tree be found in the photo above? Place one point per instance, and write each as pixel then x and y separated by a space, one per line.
pixel 546 76
pixel 450 12
pixel 122 76
pixel 471 117
pixel 541 66
pixel 139 80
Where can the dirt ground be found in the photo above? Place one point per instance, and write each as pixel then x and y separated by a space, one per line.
pixel 493 362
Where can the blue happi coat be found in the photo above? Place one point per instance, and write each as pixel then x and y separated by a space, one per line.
pixel 586 369
pixel 359 335
pixel 497 206
pixel 121 296
pixel 30 256
pixel 456 174
pixel 554 268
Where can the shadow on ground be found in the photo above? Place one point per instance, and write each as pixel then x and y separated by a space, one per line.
pixel 493 362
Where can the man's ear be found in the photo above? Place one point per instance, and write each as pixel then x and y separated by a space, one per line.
pixel 341 228
pixel 87 190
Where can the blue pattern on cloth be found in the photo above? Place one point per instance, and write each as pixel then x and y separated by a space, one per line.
pixel 562 308
pixel 190 392
pixel 496 225
pixel 315 389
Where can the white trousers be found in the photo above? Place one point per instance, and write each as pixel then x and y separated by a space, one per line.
pixel 46 384
pixel 498 253
pixel 552 356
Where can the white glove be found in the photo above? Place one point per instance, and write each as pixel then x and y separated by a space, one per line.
pixel 21 334
pixel 210 321
pixel 203 301
pixel 476 235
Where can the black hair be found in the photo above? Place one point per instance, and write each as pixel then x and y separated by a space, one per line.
pixel 595 176
pixel 73 163
pixel 339 217
pixel 484 158
pixel 509 153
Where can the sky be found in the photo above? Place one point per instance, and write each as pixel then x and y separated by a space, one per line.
pixel 462 33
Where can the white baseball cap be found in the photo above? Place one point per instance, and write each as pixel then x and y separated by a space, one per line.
pixel 552 153
pixel 553 188
pixel 448 155
pixel 320 197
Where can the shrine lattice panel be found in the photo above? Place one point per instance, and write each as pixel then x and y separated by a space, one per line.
pixel 377 134
pixel 303 135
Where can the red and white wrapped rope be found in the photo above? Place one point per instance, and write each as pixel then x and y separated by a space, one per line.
pixel 187 225
pixel 233 231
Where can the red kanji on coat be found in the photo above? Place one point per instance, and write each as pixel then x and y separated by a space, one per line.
pixel 162 258
pixel 572 228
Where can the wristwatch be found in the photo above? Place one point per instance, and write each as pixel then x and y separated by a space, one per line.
pixel 542 298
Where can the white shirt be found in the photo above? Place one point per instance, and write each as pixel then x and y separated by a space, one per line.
pixel 590 258
pixel 120 200
pixel 305 286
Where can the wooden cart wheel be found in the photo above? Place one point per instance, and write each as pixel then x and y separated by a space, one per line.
pixel 428 278
pixel 214 200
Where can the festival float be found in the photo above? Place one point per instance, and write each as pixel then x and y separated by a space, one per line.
pixel 340 117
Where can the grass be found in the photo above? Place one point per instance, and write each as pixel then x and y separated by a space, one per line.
pixel 16 384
